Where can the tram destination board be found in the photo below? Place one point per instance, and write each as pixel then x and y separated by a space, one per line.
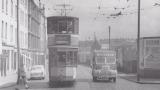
pixel 62 39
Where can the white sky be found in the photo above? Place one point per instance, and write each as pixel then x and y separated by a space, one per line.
pixel 124 26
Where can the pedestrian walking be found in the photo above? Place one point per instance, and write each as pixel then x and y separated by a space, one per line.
pixel 23 76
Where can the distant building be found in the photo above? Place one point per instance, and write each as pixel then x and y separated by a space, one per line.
pixel 85 52
pixel 86 49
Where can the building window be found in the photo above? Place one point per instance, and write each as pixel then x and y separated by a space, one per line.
pixel 11 38
pixel 26 20
pixel 16 12
pixel 6 32
pixel 22 2
pixel 26 39
pixel 1 67
pixel 3 64
pixel 26 4
pixel 15 36
pixel 2 30
pixel 7 59
pixel 6 6
pixel 2 5
pixel 12 8
pixel 21 17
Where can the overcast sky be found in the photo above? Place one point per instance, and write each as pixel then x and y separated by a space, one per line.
pixel 92 19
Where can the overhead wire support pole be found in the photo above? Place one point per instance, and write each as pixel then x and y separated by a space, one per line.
pixel 138 41
pixel 18 46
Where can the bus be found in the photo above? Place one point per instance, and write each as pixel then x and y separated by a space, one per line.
pixel 63 37
pixel 104 65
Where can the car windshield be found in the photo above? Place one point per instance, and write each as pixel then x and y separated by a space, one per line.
pixel 110 60
pixel 100 60
pixel 36 68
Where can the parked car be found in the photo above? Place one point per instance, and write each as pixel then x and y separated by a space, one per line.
pixel 37 72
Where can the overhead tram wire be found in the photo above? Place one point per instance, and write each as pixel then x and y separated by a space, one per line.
pixel 122 10
pixel 63 9
pixel 123 13
pixel 142 9
pixel 98 9
pixel 103 14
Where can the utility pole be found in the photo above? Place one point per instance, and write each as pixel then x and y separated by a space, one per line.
pixel 138 41
pixel 18 46
pixel 109 35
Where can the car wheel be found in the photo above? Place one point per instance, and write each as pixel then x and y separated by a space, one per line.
pixel 43 78
pixel 94 79
pixel 110 79
pixel 114 79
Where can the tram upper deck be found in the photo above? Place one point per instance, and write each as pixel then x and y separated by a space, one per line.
pixel 62 25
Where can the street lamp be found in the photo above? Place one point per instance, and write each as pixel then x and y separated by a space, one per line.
pixel 138 41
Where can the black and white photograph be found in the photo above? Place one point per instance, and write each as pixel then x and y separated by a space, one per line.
pixel 79 44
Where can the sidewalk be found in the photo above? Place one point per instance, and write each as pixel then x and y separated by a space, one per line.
pixel 7 85
pixel 133 78
pixel 8 81
pixel 12 86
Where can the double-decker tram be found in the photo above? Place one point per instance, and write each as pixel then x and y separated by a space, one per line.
pixel 63 38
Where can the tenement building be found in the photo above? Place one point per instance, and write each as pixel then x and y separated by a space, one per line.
pixel 31 32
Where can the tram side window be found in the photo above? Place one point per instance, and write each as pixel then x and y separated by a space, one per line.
pixel 69 58
pixel 63 26
pixel 75 57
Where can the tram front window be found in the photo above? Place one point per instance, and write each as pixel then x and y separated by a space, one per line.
pixel 62 58
pixel 66 27
pixel 67 58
